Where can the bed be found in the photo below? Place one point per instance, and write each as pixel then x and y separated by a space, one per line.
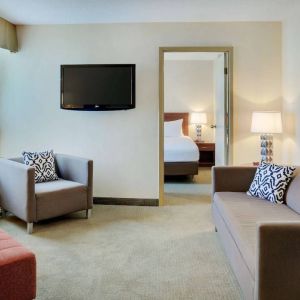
pixel 181 154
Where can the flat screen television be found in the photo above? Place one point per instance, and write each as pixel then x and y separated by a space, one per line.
pixel 97 87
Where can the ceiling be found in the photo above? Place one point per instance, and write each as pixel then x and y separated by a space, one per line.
pixel 119 11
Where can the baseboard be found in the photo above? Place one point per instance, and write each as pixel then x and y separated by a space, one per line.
pixel 125 201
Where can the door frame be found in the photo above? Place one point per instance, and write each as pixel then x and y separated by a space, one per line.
pixel 228 105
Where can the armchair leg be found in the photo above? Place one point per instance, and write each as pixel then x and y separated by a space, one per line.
pixel 88 213
pixel 29 228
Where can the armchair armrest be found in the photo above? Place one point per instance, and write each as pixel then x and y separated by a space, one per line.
pixel 278 261
pixel 17 192
pixel 76 169
pixel 232 179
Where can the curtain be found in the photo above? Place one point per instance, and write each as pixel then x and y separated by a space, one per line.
pixel 8 36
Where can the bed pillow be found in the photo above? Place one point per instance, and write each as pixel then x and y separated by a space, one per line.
pixel 43 163
pixel 173 128
pixel 270 182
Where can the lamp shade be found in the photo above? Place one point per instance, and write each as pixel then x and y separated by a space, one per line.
pixel 198 118
pixel 266 122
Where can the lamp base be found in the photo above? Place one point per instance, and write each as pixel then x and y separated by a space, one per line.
pixel 198 132
pixel 266 148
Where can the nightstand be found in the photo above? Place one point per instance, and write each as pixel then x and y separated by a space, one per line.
pixel 207 154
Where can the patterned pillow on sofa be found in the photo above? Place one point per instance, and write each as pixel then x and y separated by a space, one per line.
pixel 43 163
pixel 270 182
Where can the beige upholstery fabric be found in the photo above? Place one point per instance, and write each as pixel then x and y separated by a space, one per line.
pixel 242 213
pixel 293 195
pixel 261 239
pixel 278 261
pixel 244 277
pixel 56 186
pixel 55 198
pixel 232 179
pixel 34 202
pixel 76 169
pixel 17 189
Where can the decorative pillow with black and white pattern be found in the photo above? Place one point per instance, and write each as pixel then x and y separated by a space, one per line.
pixel 43 163
pixel 270 182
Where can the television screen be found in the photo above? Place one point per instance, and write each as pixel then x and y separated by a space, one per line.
pixel 97 87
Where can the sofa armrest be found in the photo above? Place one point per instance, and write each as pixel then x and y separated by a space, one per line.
pixel 278 261
pixel 76 169
pixel 17 191
pixel 232 179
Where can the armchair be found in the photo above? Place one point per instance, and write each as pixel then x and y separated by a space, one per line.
pixel 33 202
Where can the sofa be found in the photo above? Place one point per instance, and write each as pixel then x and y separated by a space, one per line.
pixel 33 202
pixel 261 239
pixel 17 270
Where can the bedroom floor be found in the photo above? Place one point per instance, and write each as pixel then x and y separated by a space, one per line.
pixel 199 184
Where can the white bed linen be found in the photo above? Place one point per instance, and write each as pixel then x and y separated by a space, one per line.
pixel 173 128
pixel 180 149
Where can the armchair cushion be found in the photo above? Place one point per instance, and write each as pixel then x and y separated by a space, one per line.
pixel 43 163
pixel 56 198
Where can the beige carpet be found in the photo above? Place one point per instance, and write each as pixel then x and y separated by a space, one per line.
pixel 124 252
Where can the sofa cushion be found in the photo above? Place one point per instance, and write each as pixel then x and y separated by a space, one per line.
pixel 241 213
pixel 43 163
pixel 270 182
pixel 55 198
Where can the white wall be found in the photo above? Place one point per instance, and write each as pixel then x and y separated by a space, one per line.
pixel 291 88
pixel 189 87
pixel 124 144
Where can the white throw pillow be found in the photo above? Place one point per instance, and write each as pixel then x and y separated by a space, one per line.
pixel 270 182
pixel 43 163
pixel 173 128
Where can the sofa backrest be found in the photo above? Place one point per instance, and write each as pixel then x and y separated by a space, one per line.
pixel 17 159
pixel 292 196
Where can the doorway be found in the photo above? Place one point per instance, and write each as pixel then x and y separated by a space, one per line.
pixel 221 123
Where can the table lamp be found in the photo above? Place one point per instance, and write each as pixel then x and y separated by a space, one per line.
pixel 266 123
pixel 198 118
